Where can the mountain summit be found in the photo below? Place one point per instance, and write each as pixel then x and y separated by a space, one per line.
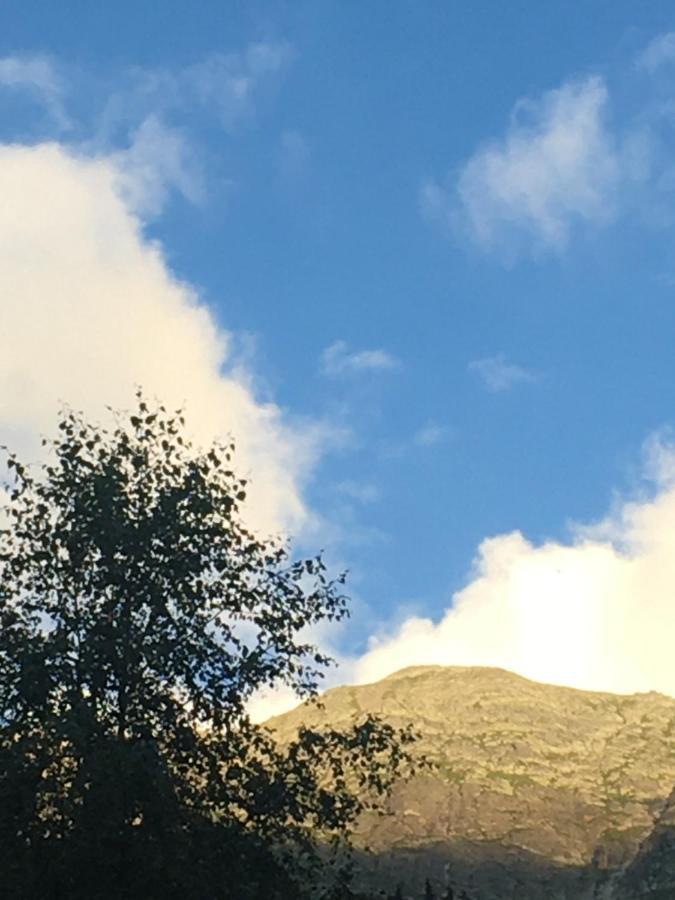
pixel 538 792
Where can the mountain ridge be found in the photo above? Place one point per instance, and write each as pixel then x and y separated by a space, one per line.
pixel 413 671
pixel 538 791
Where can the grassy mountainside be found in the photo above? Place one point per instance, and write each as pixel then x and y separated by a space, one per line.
pixel 538 791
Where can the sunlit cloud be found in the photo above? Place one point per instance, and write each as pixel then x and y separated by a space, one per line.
pixel 91 308
pixel 596 612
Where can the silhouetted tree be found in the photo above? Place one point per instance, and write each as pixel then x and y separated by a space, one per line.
pixel 138 616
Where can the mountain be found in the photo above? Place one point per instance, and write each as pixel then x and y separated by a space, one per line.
pixel 538 792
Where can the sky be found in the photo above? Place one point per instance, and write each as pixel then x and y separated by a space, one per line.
pixel 416 258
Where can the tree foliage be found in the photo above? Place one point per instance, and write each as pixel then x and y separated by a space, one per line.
pixel 138 616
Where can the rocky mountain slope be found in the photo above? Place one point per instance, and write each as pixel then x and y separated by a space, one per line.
pixel 538 792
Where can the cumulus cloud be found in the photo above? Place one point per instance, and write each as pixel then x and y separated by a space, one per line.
pixel 337 361
pixel 90 308
pixel 556 167
pixel 597 612
pixel 498 374
pixel 38 75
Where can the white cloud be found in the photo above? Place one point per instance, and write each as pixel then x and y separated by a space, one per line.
pixel 159 160
pixel 90 309
pixel 337 361
pixel 498 374
pixel 133 121
pixel 38 75
pixel 596 613
pixel 659 51
pixel 159 157
pixel 557 167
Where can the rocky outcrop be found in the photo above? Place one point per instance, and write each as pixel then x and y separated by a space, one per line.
pixel 537 791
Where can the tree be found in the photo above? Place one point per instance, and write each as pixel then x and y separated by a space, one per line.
pixel 138 616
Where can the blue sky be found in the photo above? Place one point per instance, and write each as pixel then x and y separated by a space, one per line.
pixel 438 238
